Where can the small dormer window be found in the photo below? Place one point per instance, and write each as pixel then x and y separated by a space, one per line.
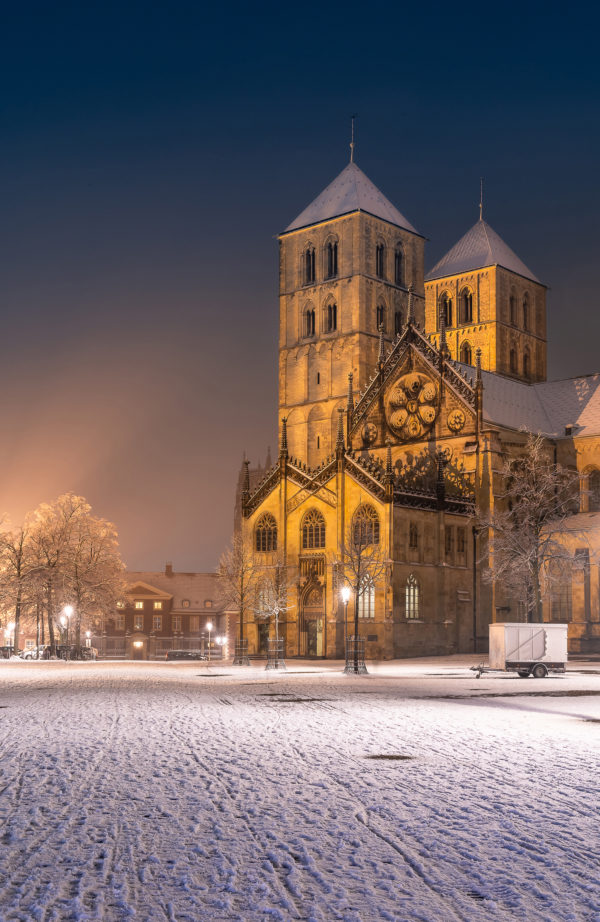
pixel 138 604
pixel 208 603
pixel 158 606
pixel 185 603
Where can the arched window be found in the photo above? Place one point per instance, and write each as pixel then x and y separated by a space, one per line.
pixel 513 361
pixel 309 322
pixel 526 364
pixel 266 533
pixel 308 270
pixel 365 526
pixel 398 323
pixel 331 260
pixel 513 309
pixel 331 318
pixel 366 601
pixel 466 306
pixel 399 266
pixel 413 600
pixel 313 530
pixel 381 317
pixel 594 488
pixel 466 356
pixel 380 260
pixel 446 308
pixel 525 312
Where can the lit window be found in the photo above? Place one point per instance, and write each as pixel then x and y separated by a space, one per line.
pixel 120 622
pixel 365 526
pixel 412 598
pixel 313 530
pixel 157 622
pixel 120 604
pixel 139 604
pixel 158 606
pixel 366 602
pixel 185 603
pixel 176 622
pixel 208 602
pixel 138 622
pixel 265 534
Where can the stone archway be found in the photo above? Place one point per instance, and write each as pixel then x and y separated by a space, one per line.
pixel 312 621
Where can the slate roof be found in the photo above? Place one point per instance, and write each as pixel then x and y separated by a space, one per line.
pixel 196 588
pixel 480 247
pixel 350 191
pixel 548 407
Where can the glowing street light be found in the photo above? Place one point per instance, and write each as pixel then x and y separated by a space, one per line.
pixel 209 628
pixel 68 610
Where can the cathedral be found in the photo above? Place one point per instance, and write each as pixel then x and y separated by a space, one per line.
pixel 401 394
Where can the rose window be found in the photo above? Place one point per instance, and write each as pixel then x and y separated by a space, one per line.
pixel 412 406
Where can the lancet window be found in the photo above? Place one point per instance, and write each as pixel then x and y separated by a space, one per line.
pixel 380 260
pixel 308 266
pixel 266 533
pixel 399 266
pixel 466 354
pixel 365 526
pixel 313 530
pixel 446 309
pixel 331 318
pixel 331 260
pixel 412 598
pixel 381 317
pixel 366 601
pixel 466 306
pixel 309 322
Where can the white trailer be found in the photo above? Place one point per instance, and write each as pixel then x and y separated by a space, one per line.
pixel 528 649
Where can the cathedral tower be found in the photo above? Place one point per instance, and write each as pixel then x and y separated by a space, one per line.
pixel 491 301
pixel 346 264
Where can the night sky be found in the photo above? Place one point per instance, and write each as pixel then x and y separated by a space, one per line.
pixel 150 154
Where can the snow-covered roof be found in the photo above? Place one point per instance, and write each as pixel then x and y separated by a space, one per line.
pixel 480 247
pixel 195 588
pixel 548 407
pixel 350 191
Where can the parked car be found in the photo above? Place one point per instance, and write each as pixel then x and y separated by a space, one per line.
pixel 6 652
pixel 36 652
pixel 185 654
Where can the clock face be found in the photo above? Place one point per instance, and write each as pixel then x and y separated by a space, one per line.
pixel 456 420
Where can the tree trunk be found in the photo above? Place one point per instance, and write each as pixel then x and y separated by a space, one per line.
pixel 538 615
pixel 50 620
pixel 17 620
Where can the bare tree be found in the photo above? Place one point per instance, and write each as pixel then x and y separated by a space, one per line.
pixel 363 564
pixel 237 573
pixel 530 523
pixel 17 571
pixel 275 585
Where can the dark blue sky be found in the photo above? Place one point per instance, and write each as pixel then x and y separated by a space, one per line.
pixel 149 157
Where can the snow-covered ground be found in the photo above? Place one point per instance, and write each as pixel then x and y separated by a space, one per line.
pixel 185 792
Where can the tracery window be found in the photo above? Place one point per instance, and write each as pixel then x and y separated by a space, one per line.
pixel 308 268
pixel 466 355
pixel 331 260
pixel 313 530
pixel 466 306
pixel 365 526
pixel 380 260
pixel 412 602
pixel 266 533
pixel 309 322
pixel 399 266
pixel 331 318
pixel 594 488
pixel 381 317
pixel 366 601
pixel 398 323
pixel 445 309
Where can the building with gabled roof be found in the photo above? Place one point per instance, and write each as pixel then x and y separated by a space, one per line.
pixel 400 397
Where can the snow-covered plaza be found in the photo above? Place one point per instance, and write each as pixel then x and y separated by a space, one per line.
pixel 155 791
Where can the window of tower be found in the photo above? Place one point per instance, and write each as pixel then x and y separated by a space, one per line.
pixel 381 317
pixel 331 318
pixel 399 266
pixel 309 322
pixel 594 490
pixel 513 361
pixel 525 312
pixel 513 310
pixel 446 309
pixel 308 266
pixel 331 260
pixel 380 260
pixel 466 355
pixel 466 306
pixel 526 364
pixel 398 323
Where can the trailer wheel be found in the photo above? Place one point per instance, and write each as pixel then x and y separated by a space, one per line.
pixel 523 673
pixel 539 671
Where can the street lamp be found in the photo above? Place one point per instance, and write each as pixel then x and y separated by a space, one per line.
pixel 209 628
pixel 345 599
pixel 221 641
pixel 68 610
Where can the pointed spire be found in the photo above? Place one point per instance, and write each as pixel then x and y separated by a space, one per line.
pixel 283 450
pixel 246 488
pixel 352 117
pixel 481 198
pixel 350 404
pixel 340 430
pixel 381 356
pixel 410 319
pixel 388 457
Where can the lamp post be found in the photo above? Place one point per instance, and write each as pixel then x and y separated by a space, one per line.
pixel 345 599
pixel 68 610
pixel 220 641
pixel 209 628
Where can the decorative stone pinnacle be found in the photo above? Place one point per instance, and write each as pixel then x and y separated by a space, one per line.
pixel 410 318
pixel 478 365
pixel 381 356
pixel 340 430
pixel 388 458
pixel 350 405
pixel 246 488
pixel 284 445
